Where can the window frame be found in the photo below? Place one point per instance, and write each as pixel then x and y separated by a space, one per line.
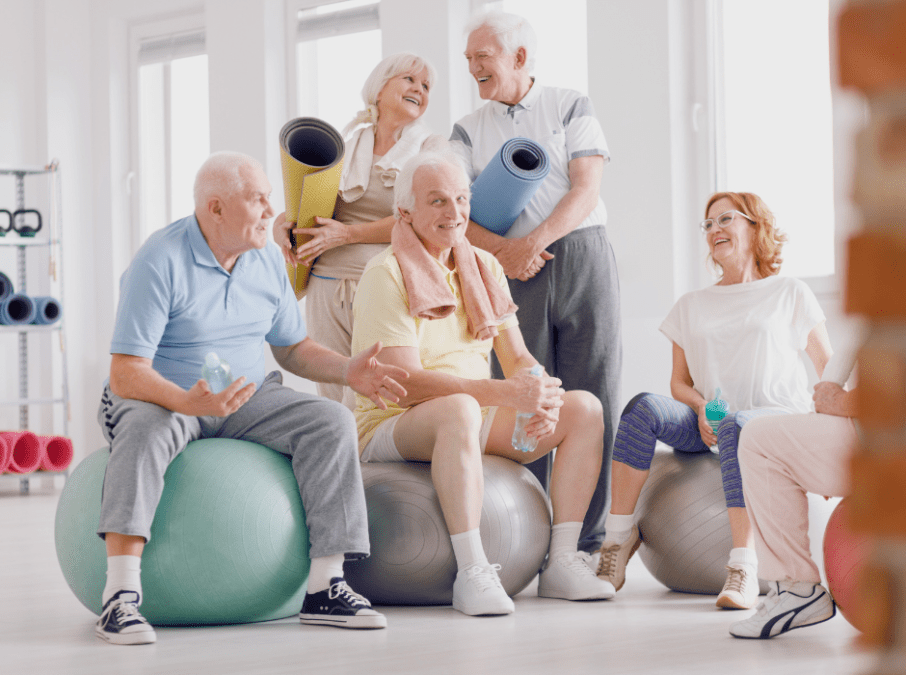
pixel 166 32
pixel 826 287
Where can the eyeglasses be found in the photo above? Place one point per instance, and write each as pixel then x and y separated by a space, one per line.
pixel 724 220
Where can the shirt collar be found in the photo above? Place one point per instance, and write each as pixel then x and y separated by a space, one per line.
pixel 527 102
pixel 202 253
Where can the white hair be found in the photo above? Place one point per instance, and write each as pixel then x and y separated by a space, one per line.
pixel 383 72
pixel 221 176
pixel 512 32
pixel 403 194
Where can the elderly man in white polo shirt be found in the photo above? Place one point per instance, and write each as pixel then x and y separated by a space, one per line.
pixel 556 255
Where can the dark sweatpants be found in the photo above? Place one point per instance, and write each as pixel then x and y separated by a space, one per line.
pixel 569 315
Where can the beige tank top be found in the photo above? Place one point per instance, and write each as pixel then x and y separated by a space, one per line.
pixel 348 262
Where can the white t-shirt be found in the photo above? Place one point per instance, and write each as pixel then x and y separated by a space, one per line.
pixel 747 339
pixel 561 120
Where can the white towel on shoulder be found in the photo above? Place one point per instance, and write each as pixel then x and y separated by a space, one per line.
pixel 360 155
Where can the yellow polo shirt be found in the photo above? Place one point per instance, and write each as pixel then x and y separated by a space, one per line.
pixel 381 312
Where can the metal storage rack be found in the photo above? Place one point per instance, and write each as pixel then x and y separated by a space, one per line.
pixel 49 238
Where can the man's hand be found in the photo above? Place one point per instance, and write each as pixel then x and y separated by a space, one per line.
pixel 376 380
pixel 541 395
pixel 832 399
pixel 522 258
pixel 201 401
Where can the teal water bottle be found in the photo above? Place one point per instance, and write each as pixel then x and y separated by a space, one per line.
pixel 521 441
pixel 216 372
pixel 716 410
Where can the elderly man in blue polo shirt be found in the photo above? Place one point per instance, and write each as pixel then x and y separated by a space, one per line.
pixel 557 256
pixel 211 282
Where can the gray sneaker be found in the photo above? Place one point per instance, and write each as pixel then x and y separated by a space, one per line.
pixel 615 557
pixel 788 605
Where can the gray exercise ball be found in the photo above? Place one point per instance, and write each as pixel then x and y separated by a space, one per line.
pixel 683 521
pixel 412 560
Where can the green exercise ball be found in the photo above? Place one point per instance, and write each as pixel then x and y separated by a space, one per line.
pixel 228 543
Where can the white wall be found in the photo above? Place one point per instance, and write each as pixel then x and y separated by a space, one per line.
pixel 67 95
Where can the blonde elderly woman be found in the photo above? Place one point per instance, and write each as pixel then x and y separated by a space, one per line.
pixel 745 336
pixel 384 135
pixel 438 307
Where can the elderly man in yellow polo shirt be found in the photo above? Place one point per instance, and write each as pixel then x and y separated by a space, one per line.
pixel 439 306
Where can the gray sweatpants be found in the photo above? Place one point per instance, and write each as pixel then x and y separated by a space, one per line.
pixel 319 434
pixel 569 315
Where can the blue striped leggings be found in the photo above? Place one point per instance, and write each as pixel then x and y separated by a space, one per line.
pixel 649 418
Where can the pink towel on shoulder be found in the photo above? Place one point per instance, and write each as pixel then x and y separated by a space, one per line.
pixel 430 297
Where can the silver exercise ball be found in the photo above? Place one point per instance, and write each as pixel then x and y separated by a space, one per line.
pixel 683 521
pixel 412 560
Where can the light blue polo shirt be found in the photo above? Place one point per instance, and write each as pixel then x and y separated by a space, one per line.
pixel 177 304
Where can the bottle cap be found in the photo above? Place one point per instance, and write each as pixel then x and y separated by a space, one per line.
pixel 717 408
pixel 211 360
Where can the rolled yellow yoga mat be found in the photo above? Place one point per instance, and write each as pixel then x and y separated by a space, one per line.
pixel 311 156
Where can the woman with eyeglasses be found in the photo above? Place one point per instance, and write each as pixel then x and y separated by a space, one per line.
pixel 744 335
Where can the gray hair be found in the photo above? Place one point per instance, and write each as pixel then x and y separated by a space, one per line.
pixel 403 194
pixel 512 32
pixel 221 176
pixel 386 70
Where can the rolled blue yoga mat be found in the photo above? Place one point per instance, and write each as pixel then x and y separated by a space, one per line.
pixel 6 287
pixel 47 311
pixel 506 185
pixel 17 309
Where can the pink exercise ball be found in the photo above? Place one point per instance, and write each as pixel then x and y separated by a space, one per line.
pixel 845 554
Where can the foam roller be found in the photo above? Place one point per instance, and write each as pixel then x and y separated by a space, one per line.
pixel 17 309
pixel 311 156
pixel 47 311
pixel 6 454
pixel 56 453
pixel 25 455
pixel 6 287
pixel 506 185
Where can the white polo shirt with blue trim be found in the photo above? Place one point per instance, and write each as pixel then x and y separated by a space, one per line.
pixel 561 120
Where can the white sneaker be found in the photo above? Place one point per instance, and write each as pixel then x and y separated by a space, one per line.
pixel 571 576
pixel 614 557
pixel 740 590
pixel 477 591
pixel 788 605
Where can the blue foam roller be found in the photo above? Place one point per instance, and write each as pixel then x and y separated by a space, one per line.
pixel 47 310
pixel 17 309
pixel 6 286
pixel 506 185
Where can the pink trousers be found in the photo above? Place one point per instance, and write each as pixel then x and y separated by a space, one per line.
pixel 781 459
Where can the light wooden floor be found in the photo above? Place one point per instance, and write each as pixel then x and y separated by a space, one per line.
pixel 646 629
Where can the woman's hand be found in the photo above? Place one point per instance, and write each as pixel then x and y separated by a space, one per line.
pixel 282 226
pixel 326 234
pixel 832 399
pixel 704 427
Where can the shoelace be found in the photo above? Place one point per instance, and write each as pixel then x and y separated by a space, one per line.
pixel 579 562
pixel 485 577
pixel 348 595
pixel 736 580
pixel 607 565
pixel 127 611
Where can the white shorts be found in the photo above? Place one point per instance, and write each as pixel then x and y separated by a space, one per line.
pixel 382 448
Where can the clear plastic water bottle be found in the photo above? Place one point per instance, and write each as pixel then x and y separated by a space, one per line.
pixel 216 372
pixel 521 441
pixel 715 410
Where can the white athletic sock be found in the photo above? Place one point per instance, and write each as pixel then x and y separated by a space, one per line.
pixel 617 527
pixel 124 573
pixel 564 539
pixel 324 569
pixel 743 556
pixel 468 549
